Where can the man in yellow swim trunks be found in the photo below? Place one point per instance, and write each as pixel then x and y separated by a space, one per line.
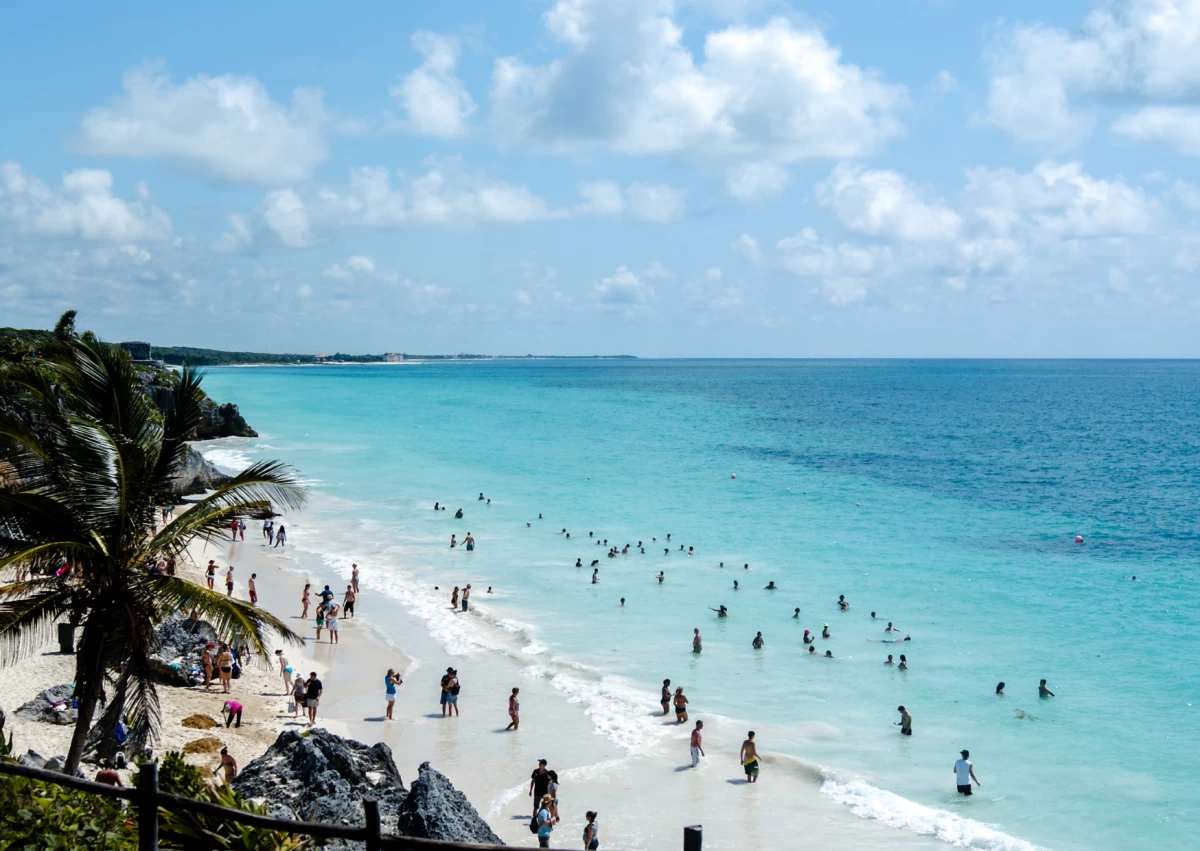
pixel 749 758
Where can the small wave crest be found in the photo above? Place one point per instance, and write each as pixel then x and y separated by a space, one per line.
pixel 869 802
pixel 226 459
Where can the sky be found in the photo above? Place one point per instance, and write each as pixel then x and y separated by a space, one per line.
pixel 714 178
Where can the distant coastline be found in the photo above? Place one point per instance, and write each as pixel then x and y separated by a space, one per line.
pixel 178 355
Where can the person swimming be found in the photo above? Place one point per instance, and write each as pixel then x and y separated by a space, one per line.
pixel 458 514
pixel 896 640
pixel 891 628
pixel 436 507
pixel 770 586
pixel 1000 688
pixel 797 615
pixel 746 566
pixel 595 562
pixel 758 642
pixel 873 616
pixel 812 651
pixel 828 654
pixel 735 585
pixel 579 562
pixel 808 638
pixel 825 631
pixel 666 551
pixel 842 604
pixel 721 612
pixel 661 576
pixel 889 660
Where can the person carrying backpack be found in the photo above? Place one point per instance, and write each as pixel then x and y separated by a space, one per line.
pixel 545 823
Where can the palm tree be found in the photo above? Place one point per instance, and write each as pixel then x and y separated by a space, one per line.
pixel 90 458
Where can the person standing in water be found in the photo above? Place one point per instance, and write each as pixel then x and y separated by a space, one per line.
pixel 697 644
pixel 697 744
pixel 749 758
pixel 758 642
pixel 681 703
pixel 1000 689
pixel 354 576
pixel 964 773
pixel 514 711
pixel 465 596
pixel 1043 691
pixel 253 591
pixel 666 697
pixel 905 722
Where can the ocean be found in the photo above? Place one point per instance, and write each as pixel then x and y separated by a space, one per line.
pixel 944 496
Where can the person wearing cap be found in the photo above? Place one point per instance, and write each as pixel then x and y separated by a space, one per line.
pixel 445 695
pixel 809 638
pixel 232 710
pixel 825 631
pixel 905 722
pixel 964 772
pixel 545 821
pixel 539 784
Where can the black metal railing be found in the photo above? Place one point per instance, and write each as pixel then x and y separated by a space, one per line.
pixel 148 800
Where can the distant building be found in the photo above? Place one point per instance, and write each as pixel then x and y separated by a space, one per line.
pixel 393 357
pixel 321 358
pixel 139 351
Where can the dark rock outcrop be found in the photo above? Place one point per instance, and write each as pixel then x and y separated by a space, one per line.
pixel 52 706
pixel 222 421
pixel 180 648
pixel 322 777
pixel 434 809
pixel 196 475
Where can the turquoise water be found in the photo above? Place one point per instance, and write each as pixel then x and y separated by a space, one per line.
pixel 945 496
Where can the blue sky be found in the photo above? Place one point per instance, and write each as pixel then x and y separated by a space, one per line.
pixel 898 178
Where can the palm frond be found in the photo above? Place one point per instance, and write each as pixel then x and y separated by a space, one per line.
pixel 236 621
pixel 26 620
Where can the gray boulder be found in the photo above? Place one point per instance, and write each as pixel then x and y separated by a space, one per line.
pixel 196 475
pixel 434 809
pixel 53 706
pixel 322 777
pixel 181 643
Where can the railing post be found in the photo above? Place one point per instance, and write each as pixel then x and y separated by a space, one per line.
pixel 371 817
pixel 692 837
pixel 147 806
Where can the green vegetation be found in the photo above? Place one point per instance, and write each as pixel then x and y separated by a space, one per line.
pixel 86 459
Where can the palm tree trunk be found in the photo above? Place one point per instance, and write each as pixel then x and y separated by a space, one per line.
pixel 89 674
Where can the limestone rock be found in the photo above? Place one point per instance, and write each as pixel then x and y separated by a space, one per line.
pixel 52 706
pixel 196 475
pixel 323 777
pixel 434 809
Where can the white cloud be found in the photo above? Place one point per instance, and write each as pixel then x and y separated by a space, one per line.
pixel 656 203
pixel 1176 127
pixel 237 238
pixel 625 291
pixel 711 293
pixel 748 247
pixel 754 181
pixel 884 204
pixel 434 100
pixel 83 206
pixel 807 256
pixel 1148 49
pixel 287 216
pixel 361 263
pixel 626 82
pixel 1059 200
pixel 225 127
pixel 601 197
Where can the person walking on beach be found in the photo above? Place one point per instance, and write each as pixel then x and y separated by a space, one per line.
pixel 666 697
pixel 681 703
pixel 331 623
pixel 905 722
pixel 390 681
pixel 304 601
pixel 514 711
pixel 697 744
pixel 749 758
pixel 444 697
pixel 591 832
pixel 1043 691
pixel 348 601
pixel 229 582
pixel 233 529
pixel 697 643
pixel 552 791
pixel 545 822
pixel 242 530
pixel 206 659
pixel 252 589
pixel 210 574
pixel 452 689
pixel 312 696
pixel 266 528
pixel 229 765
pixel 539 783
pixel 285 671
pixel 354 576
pixel 225 668
pixel 465 595
pixel 964 773
pixel 299 694
pixel 281 537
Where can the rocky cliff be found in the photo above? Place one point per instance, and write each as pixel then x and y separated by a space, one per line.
pixel 318 776
pixel 197 475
